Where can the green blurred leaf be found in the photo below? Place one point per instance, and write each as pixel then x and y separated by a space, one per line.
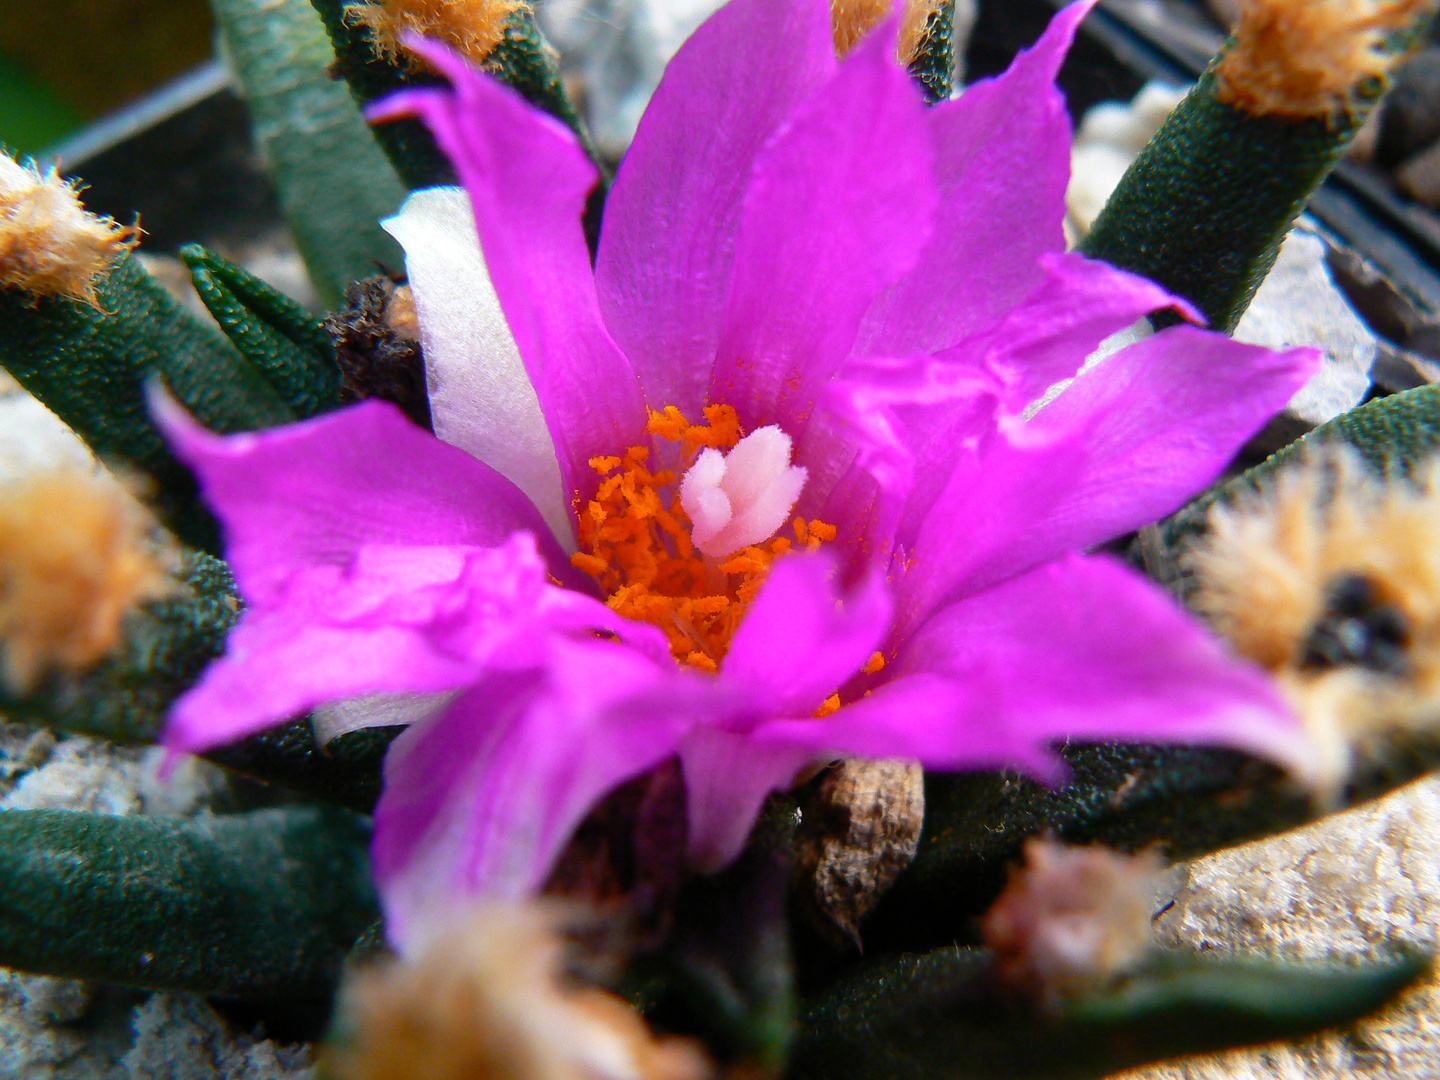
pixel 258 906
pixel 32 116
pixel 724 972
pixel 334 182
pixel 938 1015
pixel 288 345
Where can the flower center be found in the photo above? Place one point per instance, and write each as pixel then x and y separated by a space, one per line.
pixel 688 555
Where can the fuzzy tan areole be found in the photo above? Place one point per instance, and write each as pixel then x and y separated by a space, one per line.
pixel 50 245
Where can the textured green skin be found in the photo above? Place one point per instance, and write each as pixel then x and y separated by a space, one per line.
pixel 90 366
pixel 1391 435
pixel 933 66
pixel 285 342
pixel 1206 204
pixel 126 696
pixel 938 1015
pixel 259 906
pixel 522 59
pixel 334 184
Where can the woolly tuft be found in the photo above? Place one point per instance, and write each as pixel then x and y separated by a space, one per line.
pixel 50 245
pixel 487 1001
pixel 1071 919
pixel 474 27
pixel 851 20
pixel 77 553
pixel 1310 57
pixel 1331 579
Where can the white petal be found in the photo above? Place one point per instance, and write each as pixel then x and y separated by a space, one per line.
pixel 481 399
pixel 373 710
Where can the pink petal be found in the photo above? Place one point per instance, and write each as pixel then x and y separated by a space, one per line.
pixel 1078 304
pixel 528 181
pixel 801 639
pixel 728 776
pixel 1127 442
pixel 397 619
pixel 1082 648
pixel 481 799
pixel 800 642
pixel 665 253
pixel 313 493
pixel 1003 160
pixel 840 204
pixel 1085 648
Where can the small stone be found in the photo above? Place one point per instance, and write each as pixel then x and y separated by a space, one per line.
pixel 1352 885
pixel 1410 117
pixel 53 1000
pixel 1298 304
pixel 1419 176
pixel 82 774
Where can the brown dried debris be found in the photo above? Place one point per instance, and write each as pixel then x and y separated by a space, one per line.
pixel 377 344
pixel 77 553
pixel 1308 58
pixel 851 20
pixel 859 828
pixel 50 245
pixel 628 855
pixel 1071 919
pixel 487 1000
pixel 473 27
pixel 1330 578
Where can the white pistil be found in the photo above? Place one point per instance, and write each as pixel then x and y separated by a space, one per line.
pixel 743 497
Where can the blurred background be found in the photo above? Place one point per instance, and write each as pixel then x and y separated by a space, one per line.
pixel 65 63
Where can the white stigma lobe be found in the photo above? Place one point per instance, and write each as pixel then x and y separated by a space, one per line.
pixel 743 497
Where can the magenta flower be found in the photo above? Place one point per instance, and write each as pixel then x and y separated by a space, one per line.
pixel 890 562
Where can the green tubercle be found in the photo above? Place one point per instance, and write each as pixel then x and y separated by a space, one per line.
pixel 522 58
pixel 1205 206
pixel 259 907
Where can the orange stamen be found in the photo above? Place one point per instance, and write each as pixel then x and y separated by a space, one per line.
pixel 635 542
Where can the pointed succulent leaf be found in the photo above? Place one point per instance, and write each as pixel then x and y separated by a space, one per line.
pixel 938 1015
pixel 1206 204
pixel 285 342
pixel 260 906
pixel 334 183
pixel 89 364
